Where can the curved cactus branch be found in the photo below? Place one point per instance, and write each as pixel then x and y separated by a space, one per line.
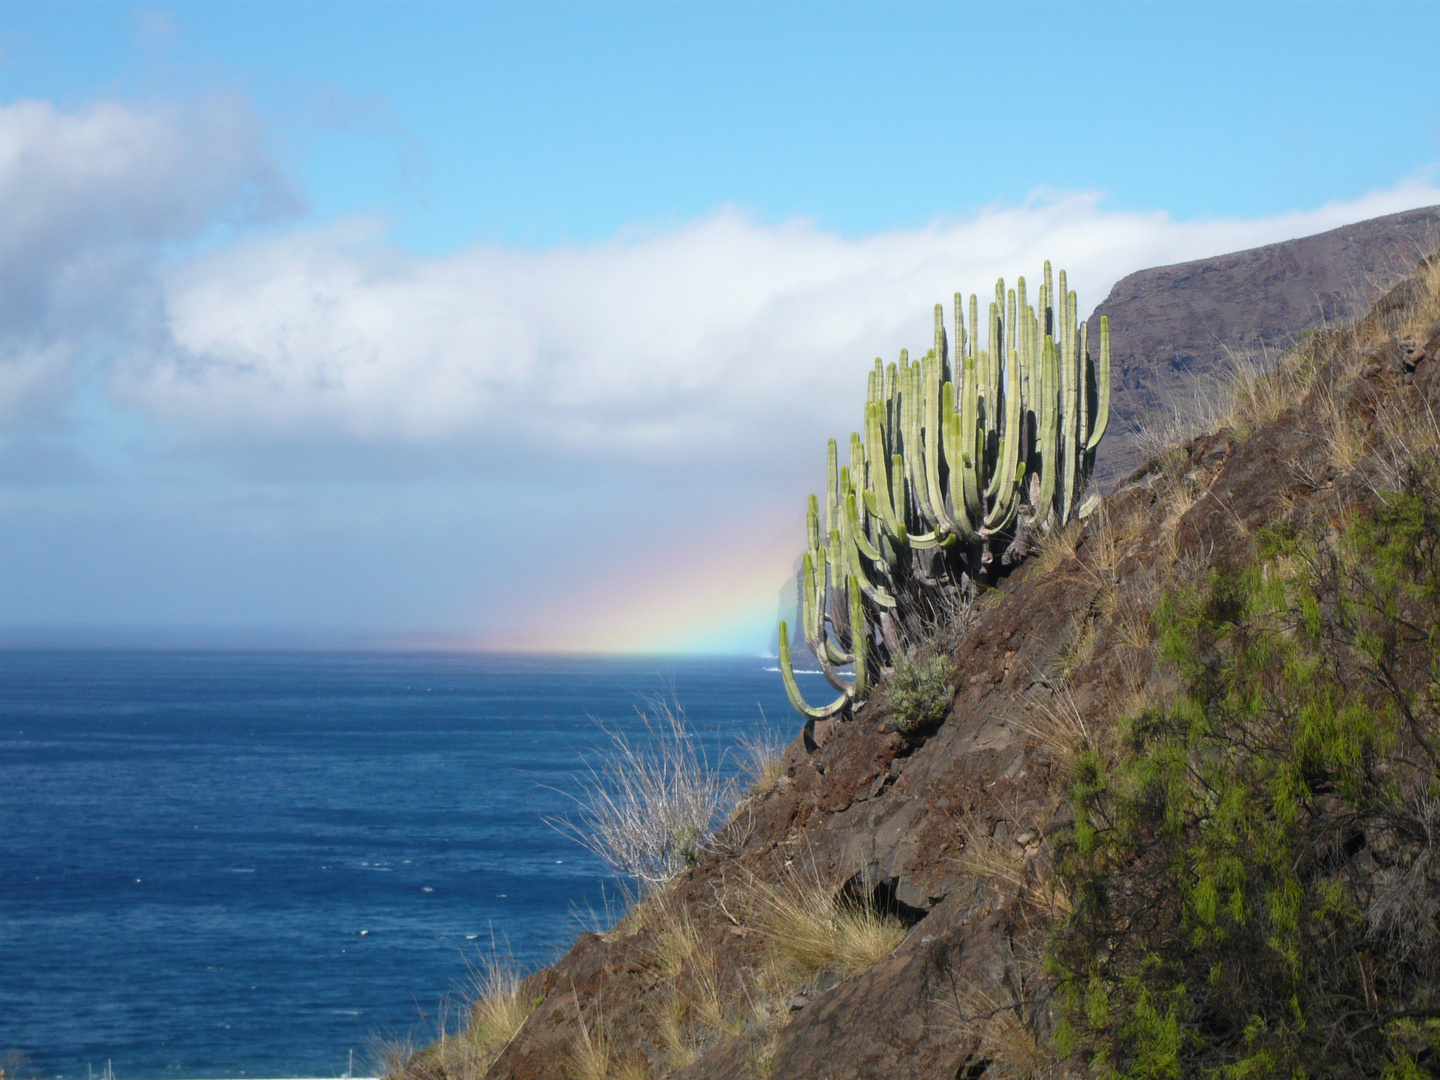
pixel 792 689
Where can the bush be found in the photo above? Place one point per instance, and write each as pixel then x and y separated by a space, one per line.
pixel 1254 870
pixel 919 695
pixel 648 807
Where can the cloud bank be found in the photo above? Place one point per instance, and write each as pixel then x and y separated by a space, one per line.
pixel 699 343
pixel 153 272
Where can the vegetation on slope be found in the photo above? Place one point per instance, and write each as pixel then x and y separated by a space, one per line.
pixel 1207 848
pixel 1251 870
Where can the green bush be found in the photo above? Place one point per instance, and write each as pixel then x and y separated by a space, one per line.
pixel 1255 868
pixel 919 694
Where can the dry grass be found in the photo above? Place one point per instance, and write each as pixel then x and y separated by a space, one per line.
pixel 1006 1037
pixel 812 931
pixel 651 803
pixel 499 1009
pixel 1055 722
pixel 672 1016
pixel 390 1057
pixel 1257 390
pixel 1162 438
pixel 764 757
pixel 692 1011
pixel 1056 547
pixel 591 1055
pixel 1075 650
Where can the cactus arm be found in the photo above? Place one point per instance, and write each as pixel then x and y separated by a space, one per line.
pixel 951 437
pixel 940 339
pixel 968 462
pixel 958 359
pixel 1010 469
pixel 935 397
pixel 859 641
pixel 1048 434
pixel 857 469
pixel 1005 512
pixel 832 487
pixel 897 496
pixel 1012 324
pixel 1073 367
pixel 998 474
pixel 809 616
pixel 1102 387
pixel 877 489
pixel 1085 368
pixel 840 571
pixel 878 595
pixel 931 539
pixel 974 325
pixel 915 458
pixel 862 542
pixel 792 690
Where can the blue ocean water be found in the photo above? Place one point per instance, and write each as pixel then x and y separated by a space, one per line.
pixel 251 864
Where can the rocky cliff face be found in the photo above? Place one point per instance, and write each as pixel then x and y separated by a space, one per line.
pixel 1173 327
pixel 949 833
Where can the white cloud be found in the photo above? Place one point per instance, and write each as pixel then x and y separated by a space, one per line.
pixel 89 199
pixel 717 341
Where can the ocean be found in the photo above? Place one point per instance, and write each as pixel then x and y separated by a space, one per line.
pixel 259 864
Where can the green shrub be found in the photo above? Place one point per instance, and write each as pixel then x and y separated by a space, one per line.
pixel 919 694
pixel 1255 873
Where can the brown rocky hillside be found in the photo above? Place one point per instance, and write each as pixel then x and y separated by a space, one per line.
pixel 940 844
pixel 1175 326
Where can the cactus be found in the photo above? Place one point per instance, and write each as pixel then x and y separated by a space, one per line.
pixel 965 452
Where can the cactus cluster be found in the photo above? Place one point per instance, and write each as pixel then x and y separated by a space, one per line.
pixel 966 453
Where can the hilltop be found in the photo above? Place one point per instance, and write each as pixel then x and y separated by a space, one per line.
pixel 1176 328
pixel 1254 609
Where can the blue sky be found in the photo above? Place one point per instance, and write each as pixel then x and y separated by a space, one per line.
pixel 509 324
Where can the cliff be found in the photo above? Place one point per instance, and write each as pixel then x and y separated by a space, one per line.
pixel 1174 329
pixel 961 840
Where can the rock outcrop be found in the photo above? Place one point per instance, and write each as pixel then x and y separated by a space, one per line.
pixel 1175 328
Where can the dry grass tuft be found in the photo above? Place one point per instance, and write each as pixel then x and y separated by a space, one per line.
pixel 1006 1036
pixel 590 1055
pixel 764 757
pixel 672 1026
pixel 1056 547
pixel 1055 722
pixel 692 1009
pixel 1258 390
pixel 650 805
pixel 499 1009
pixel 812 931
pixel 390 1057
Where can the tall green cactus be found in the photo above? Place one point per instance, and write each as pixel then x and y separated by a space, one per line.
pixel 965 453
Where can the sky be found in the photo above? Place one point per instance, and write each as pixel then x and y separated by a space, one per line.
pixel 522 326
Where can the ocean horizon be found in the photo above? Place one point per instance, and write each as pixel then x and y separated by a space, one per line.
pixel 257 863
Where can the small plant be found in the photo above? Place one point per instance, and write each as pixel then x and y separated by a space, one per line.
pixel 764 757
pixel 919 694
pixel 649 805
pixel 813 931
pixel 500 1008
